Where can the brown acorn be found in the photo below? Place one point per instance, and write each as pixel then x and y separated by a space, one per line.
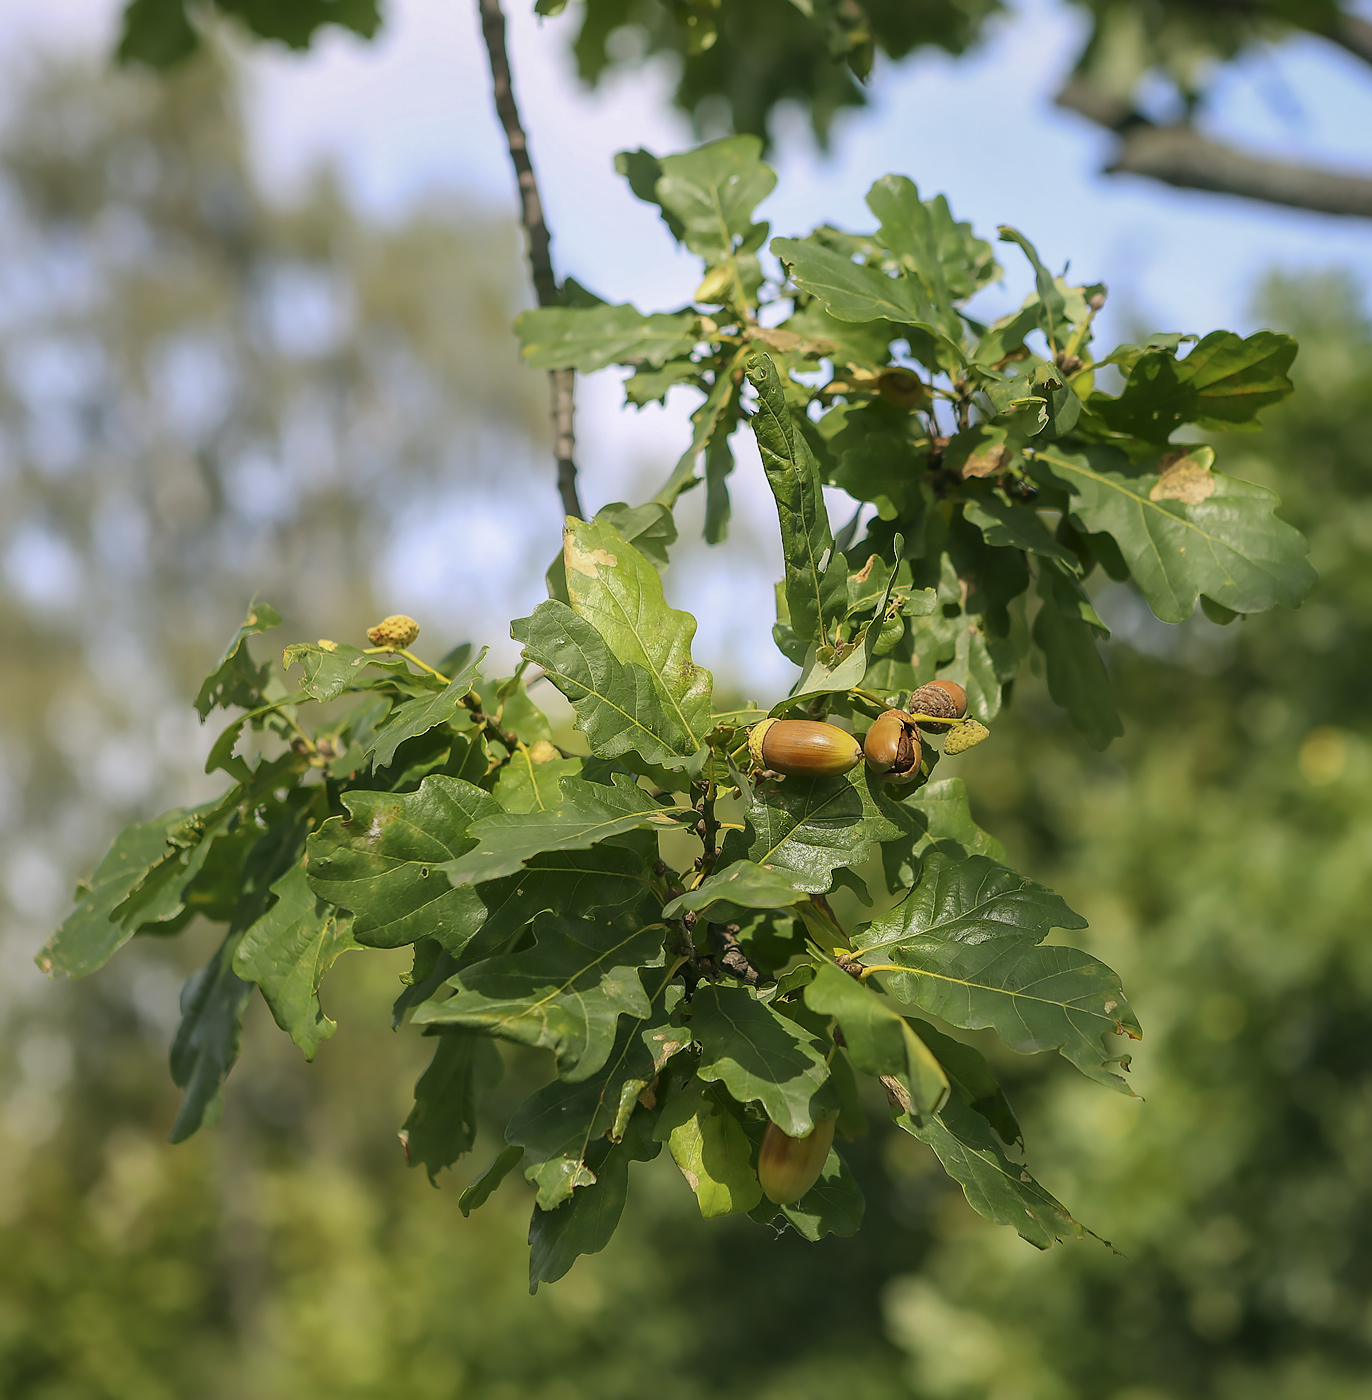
pixel 788 1167
pixel 901 387
pixel 939 698
pixel 803 748
pixel 892 746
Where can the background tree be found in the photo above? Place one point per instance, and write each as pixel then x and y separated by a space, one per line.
pixel 309 1227
pixel 1143 73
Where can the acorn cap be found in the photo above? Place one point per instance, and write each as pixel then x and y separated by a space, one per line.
pixel 755 737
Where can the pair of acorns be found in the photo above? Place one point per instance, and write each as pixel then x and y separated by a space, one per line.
pixel 809 748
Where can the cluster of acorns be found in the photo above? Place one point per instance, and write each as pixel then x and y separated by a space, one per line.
pixel 809 748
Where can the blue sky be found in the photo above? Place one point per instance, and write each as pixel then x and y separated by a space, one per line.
pixel 410 116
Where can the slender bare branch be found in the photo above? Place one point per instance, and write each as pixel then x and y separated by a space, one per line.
pixel 563 381
pixel 1354 34
pixel 1181 156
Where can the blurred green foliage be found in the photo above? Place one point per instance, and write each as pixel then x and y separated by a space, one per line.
pixel 1223 842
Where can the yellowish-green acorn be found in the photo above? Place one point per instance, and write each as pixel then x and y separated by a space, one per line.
pixel 788 1167
pixel 803 748
pixel 902 387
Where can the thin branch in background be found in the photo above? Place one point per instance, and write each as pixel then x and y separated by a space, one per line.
pixel 1181 156
pixel 563 381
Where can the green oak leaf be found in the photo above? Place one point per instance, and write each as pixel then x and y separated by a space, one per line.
pixel 619 653
pixel 760 1056
pixel 832 1206
pixel 590 813
pixel 421 714
pixel 557 1126
pixel 1051 295
pixel 565 994
pixel 806 828
pixel 484 1187
pixel 1224 383
pixel 615 588
pixel 566 882
pixel 532 781
pixel 585 1223
pixel 442 1124
pixel 173 848
pixel 590 338
pixel 328 670
pixel 1065 630
pixel 1009 524
pixel 879 1041
pixel 712 1151
pixel 971 1077
pixel 237 680
pixel 1208 534
pixel 964 946
pixel 207 1040
pixel 743 883
pixel 386 861
pixel 937 814
pixel 816 573
pixel 995 1187
pixel 950 262
pixel 287 952
pixel 852 292
pixel 707 197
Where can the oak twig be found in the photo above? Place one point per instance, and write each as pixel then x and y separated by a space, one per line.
pixel 1180 156
pixel 546 290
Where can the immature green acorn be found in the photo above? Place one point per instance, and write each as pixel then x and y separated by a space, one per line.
pixel 939 698
pixel 902 387
pixel 892 746
pixel 788 1167
pixel 803 748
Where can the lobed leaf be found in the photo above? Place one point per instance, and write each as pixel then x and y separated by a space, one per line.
pixel 590 338
pixel 421 714
pixel 878 1040
pixel 287 952
pixel 760 1056
pixel 237 679
pixel 586 1223
pixel 712 1151
pixel 806 828
pixel 558 1124
pixel 590 813
pixel 386 862
pixel 1224 383
pixel 965 943
pixel 1227 543
pixel 442 1125
pixel 995 1187
pixel 565 994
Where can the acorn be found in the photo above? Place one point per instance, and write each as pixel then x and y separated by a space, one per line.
pixel 939 698
pixel 892 746
pixel 803 748
pixel 901 387
pixel 788 1167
